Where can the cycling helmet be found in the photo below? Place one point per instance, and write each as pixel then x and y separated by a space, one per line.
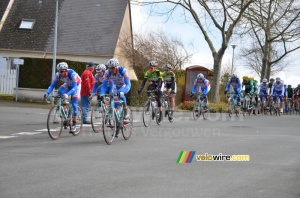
pixel 233 76
pixel 167 67
pixel 277 79
pixel 152 64
pixel 200 76
pixel 245 77
pixel 265 80
pixel 272 79
pixel 62 66
pixel 112 63
pixel 251 78
pixel 100 68
pixel 289 86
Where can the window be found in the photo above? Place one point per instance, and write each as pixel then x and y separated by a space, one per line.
pixel 26 24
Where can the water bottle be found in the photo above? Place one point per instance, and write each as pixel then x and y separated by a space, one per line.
pixel 166 104
pixel 117 101
pixel 106 100
pixel 154 104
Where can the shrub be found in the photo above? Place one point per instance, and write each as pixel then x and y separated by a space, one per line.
pixel 220 107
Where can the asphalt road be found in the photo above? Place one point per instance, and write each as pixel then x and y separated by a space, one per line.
pixel 33 165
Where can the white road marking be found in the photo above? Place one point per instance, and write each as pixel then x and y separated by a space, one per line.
pixel 7 137
pixel 27 133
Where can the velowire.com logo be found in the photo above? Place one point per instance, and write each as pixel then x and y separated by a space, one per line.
pixel 189 156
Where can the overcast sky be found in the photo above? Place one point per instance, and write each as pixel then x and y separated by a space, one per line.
pixel 191 34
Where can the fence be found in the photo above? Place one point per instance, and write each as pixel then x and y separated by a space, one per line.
pixel 7 81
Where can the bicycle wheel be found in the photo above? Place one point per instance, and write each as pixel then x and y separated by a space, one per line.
pixel 170 115
pixel 127 126
pixel 79 121
pixel 55 122
pixel 109 126
pixel 196 110
pixel 236 111
pixel 97 118
pixel 205 114
pixel 157 115
pixel 147 113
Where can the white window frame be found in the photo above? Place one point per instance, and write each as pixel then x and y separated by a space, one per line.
pixel 26 24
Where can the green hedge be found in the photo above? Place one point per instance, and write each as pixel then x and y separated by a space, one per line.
pixel 37 73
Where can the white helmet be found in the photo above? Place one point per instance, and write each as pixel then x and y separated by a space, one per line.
pixel 277 79
pixel 200 76
pixel 152 63
pixel 62 66
pixel 100 68
pixel 113 63
pixel 264 80
pixel 233 76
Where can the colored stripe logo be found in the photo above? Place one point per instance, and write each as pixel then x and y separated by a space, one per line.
pixel 190 155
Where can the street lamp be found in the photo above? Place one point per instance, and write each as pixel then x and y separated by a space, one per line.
pixel 55 45
pixel 233 46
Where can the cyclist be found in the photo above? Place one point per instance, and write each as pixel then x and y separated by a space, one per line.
pixel 116 80
pixel 236 85
pixel 255 89
pixel 247 83
pixel 285 97
pixel 204 88
pixel 169 85
pixel 70 87
pixel 290 97
pixel 99 76
pixel 154 75
pixel 270 84
pixel 263 89
pixel 296 97
pixel 278 91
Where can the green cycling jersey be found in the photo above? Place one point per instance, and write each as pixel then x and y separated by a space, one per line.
pixel 168 77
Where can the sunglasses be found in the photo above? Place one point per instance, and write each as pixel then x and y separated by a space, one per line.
pixel 62 71
pixel 112 68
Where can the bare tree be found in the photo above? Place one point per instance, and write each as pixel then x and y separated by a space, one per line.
pixel 275 26
pixel 158 46
pixel 216 19
pixel 252 56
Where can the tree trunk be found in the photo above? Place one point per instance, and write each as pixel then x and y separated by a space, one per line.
pixel 217 78
pixel 268 68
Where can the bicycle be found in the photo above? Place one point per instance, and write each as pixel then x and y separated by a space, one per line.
pixel 113 120
pixel 150 109
pixel 275 106
pixel 263 105
pixel 200 107
pixel 60 117
pixel 233 105
pixel 166 102
pixel 246 108
pixel 97 115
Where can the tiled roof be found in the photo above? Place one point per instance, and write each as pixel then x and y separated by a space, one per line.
pixel 84 27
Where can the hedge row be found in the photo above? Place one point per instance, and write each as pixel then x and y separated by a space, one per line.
pixel 37 73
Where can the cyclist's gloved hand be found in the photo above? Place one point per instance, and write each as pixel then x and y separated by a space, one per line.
pixel 45 96
pixel 156 91
pixel 121 94
pixel 139 91
pixel 192 94
pixel 204 96
pixel 64 96
pixel 225 92
pixel 101 96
